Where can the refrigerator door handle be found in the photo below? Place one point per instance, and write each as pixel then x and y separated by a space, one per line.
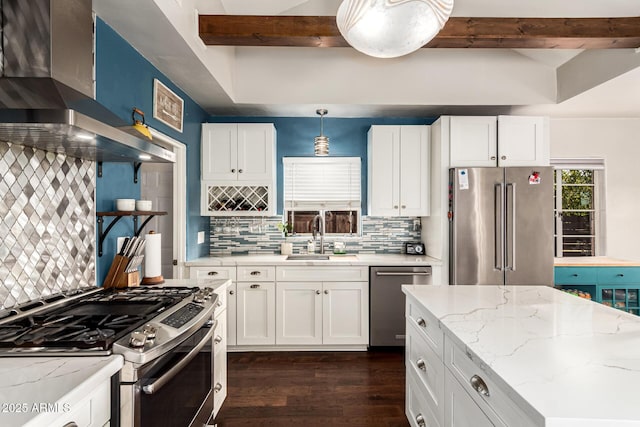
pixel 500 227
pixel 512 187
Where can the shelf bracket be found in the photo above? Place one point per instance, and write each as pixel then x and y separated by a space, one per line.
pixel 136 169
pixel 102 236
pixel 99 169
pixel 135 224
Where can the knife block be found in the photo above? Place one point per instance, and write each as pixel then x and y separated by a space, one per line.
pixel 117 277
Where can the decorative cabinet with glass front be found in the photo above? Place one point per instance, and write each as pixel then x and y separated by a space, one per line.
pixel 614 286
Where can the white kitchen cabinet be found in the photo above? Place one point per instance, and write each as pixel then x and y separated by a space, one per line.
pixel 232 314
pixel 299 313
pixel 220 354
pixel 256 313
pixel 505 141
pixel 345 313
pixel 460 409
pixel 93 410
pixel 238 151
pixel 398 170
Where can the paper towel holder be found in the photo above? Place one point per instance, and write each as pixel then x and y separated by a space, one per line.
pixel 155 280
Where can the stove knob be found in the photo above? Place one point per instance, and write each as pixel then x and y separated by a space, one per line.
pixel 137 339
pixel 149 331
pixel 198 297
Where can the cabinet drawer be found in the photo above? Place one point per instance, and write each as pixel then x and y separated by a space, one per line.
pixel 575 276
pixel 618 275
pixel 417 409
pixel 426 324
pixel 249 273
pixel 322 274
pixel 424 364
pixel 212 273
pixel 497 404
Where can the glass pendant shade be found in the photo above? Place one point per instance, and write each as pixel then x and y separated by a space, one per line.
pixel 391 28
pixel 321 142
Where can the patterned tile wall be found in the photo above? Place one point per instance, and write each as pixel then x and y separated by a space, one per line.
pixel 47 224
pixel 242 235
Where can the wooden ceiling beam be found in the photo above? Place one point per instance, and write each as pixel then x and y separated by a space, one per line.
pixel 523 33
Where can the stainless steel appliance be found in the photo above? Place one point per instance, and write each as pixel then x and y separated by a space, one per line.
pixel 163 333
pixel 387 302
pixel 501 226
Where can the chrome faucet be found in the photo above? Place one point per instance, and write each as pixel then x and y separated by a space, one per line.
pixel 319 229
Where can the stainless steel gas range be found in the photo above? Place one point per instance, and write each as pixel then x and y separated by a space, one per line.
pixel 163 333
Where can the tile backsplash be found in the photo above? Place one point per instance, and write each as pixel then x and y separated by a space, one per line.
pixel 47 224
pixel 242 235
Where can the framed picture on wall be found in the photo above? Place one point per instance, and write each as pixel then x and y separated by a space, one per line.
pixel 167 106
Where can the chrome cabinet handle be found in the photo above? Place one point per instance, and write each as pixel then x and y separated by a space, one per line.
pixel 326 292
pixel 254 286
pixel 420 420
pixel 231 292
pixel 255 273
pixel 239 170
pixel 504 157
pixel 70 424
pixel 421 365
pixel 493 157
pixel 217 339
pixel 317 292
pixel 620 275
pixel 404 206
pixel 233 171
pixel 218 387
pixel 574 275
pixel 395 206
pixel 479 385
pixel 421 322
pixel 212 273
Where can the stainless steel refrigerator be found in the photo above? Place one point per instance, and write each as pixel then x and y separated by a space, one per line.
pixel 501 226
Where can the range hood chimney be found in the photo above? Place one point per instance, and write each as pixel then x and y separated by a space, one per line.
pixel 46 85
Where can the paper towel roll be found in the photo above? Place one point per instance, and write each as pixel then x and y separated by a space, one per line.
pixel 153 255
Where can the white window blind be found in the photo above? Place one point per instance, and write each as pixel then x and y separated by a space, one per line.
pixel 322 183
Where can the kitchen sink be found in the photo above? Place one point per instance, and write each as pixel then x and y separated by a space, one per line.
pixel 308 257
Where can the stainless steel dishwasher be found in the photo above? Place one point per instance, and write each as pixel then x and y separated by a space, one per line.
pixel 387 302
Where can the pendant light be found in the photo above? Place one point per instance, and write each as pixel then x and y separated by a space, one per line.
pixel 321 142
pixel 391 28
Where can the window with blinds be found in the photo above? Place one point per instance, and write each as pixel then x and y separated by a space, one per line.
pixel 329 187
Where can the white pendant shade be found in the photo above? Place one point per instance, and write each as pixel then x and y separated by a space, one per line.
pixel 391 28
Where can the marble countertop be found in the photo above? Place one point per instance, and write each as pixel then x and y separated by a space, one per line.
pixel 593 261
pixel 49 380
pixel 570 360
pixel 348 259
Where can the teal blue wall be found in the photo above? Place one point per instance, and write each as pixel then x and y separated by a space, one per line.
pixel 347 138
pixel 124 79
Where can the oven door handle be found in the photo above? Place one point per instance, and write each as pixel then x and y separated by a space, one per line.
pixel 155 386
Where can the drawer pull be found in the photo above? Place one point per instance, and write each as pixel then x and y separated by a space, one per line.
pixel 574 275
pixel 479 385
pixel 326 292
pixel 212 273
pixel 255 273
pixel 218 387
pixel 254 286
pixel 421 322
pixel 219 304
pixel 620 275
pixel 421 365
pixel 217 339
pixel 231 292
pixel 420 420
pixel 317 292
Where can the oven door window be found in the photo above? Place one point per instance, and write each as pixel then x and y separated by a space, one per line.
pixel 176 402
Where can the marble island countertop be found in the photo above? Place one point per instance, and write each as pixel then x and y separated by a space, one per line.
pixel 568 360
pixel 347 259
pixel 593 261
pixel 39 391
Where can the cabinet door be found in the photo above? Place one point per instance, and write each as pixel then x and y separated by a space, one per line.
pixel 473 141
pixel 299 313
pixel 256 315
pixel 345 313
pixel 414 171
pixel 460 409
pixel 232 311
pixel 384 173
pixel 219 151
pixel 523 141
pixel 255 151
pixel 220 362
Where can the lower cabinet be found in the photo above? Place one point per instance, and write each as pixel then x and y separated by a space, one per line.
pixel 220 357
pixel 313 313
pixel 256 313
pixel 460 409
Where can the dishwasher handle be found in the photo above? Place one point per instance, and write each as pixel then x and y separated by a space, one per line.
pixel 403 273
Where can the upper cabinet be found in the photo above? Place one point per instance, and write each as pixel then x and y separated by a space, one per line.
pixel 238 151
pixel 398 170
pixel 498 141
pixel 238 169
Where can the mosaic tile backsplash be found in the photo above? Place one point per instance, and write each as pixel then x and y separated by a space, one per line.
pixel 47 224
pixel 242 235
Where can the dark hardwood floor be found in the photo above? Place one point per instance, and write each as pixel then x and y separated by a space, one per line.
pixel 286 389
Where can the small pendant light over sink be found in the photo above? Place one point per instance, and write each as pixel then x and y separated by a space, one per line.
pixel 321 142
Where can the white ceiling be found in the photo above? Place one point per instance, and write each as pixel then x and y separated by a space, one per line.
pixel 296 81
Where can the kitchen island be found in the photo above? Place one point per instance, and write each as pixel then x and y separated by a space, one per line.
pixel 527 355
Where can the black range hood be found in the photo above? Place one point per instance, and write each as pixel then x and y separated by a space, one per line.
pixel 46 86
